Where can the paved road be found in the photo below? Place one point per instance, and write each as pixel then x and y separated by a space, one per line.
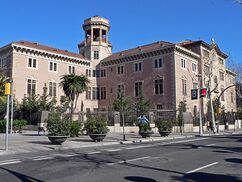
pixel 194 159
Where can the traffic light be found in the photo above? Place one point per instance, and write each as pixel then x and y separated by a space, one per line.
pixel 194 94
pixel 203 92
pixel 7 89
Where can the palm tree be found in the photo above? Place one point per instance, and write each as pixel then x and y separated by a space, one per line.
pixel 73 85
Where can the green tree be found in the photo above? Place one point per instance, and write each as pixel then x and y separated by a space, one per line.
pixel 121 104
pixel 3 80
pixel 73 85
pixel 142 106
pixel 45 102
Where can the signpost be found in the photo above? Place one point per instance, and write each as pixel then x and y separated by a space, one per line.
pixel 7 92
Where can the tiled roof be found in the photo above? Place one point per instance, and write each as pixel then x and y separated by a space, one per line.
pixel 48 49
pixel 139 49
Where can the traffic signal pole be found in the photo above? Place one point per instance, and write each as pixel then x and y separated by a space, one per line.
pixel 200 112
pixel 7 92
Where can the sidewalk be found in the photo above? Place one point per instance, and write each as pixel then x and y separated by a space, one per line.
pixel 30 141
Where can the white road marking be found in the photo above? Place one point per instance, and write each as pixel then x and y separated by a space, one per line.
pixel 13 161
pixel 113 150
pixel 94 152
pixel 125 161
pixel 212 144
pixel 37 157
pixel 43 158
pixel 200 168
pixel 65 155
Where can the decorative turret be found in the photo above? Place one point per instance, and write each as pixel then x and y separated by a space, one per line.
pixel 96 45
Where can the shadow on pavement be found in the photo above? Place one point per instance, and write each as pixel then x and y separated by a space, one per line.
pixel 139 179
pixel 203 177
pixel 22 177
pixel 32 134
pixel 234 160
pixel 222 151
pixel 41 142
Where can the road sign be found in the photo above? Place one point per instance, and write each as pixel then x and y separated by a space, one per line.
pixel 194 94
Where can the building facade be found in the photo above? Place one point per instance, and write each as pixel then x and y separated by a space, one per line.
pixel 163 72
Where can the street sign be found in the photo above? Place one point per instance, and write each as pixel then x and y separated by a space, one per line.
pixel 194 94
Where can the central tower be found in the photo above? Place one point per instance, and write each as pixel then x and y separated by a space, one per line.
pixel 96 45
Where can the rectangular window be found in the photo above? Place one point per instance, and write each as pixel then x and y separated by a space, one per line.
pixel 31 87
pixel 194 67
pixel 206 70
pixel 103 93
pixel 103 73
pixel 120 88
pixel 71 69
pixel 120 70
pixel 53 66
pixel 138 89
pixel 3 62
pixel 158 63
pixel 138 67
pixel 32 63
pixel 221 61
pixel 221 76
pixel 183 63
pixel 184 87
pixel 88 73
pixel 205 54
pixel 195 85
pixel 222 96
pixel 96 55
pixel 98 93
pixel 88 93
pixel 159 106
pixel 52 89
pixel 159 87
pixel 94 73
pixel 94 93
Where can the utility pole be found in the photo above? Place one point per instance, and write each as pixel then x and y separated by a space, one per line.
pixel 210 96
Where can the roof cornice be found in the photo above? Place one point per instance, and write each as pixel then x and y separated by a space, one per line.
pixel 48 54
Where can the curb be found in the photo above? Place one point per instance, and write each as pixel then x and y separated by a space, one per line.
pixel 155 139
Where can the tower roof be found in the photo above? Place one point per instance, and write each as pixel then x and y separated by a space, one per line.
pixel 96 20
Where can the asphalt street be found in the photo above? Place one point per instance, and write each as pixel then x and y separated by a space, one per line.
pixel 195 159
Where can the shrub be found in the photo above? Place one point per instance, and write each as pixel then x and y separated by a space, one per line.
pixel 164 125
pixel 75 128
pixel 144 127
pixel 96 125
pixel 18 125
pixel 57 126
pixel 2 126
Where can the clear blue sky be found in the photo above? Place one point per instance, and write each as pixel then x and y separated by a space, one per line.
pixel 58 23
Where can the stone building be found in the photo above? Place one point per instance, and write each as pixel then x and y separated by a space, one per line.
pixel 164 72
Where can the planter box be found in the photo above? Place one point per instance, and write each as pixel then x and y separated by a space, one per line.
pixel 97 137
pixel 146 134
pixel 164 133
pixel 57 140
